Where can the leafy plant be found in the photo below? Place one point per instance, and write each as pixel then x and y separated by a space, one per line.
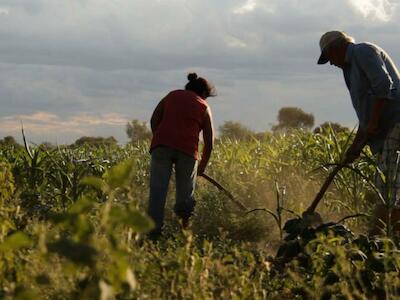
pixel 81 235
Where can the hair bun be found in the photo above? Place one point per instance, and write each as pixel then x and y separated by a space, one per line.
pixel 192 76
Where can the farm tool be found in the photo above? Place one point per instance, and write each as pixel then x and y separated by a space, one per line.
pixel 301 230
pixel 309 218
pixel 310 214
pixel 221 188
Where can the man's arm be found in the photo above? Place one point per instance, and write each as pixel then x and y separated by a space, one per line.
pixel 355 149
pixel 363 134
pixel 373 61
pixel 156 117
pixel 377 111
pixel 208 137
pixel 370 61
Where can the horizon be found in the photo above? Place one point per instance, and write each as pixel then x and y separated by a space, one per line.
pixel 19 139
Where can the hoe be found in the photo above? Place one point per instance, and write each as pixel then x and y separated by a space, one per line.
pixel 309 213
pixel 312 218
pixel 221 188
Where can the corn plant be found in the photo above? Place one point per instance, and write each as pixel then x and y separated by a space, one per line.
pixel 90 243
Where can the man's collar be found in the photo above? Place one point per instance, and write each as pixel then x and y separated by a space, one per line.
pixel 349 53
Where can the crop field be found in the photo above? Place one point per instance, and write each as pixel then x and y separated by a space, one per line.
pixel 73 225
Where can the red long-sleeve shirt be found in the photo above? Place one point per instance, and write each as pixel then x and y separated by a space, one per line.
pixel 182 121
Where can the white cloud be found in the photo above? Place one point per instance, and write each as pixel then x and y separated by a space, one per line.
pixel 98 56
pixel 46 123
pixel 234 42
pixel 375 9
pixel 41 117
pixel 247 7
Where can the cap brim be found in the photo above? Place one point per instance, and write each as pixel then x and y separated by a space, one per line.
pixel 322 59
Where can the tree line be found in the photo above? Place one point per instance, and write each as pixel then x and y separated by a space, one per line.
pixel 289 118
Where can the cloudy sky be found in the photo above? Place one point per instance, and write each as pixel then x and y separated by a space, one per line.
pixel 86 67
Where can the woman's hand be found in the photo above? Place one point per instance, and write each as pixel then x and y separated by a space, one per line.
pixel 201 169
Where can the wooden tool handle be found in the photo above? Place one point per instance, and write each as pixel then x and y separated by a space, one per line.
pixel 323 189
pixel 221 188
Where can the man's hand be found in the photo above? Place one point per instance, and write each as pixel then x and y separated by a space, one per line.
pixel 355 149
pixel 364 134
pixel 352 154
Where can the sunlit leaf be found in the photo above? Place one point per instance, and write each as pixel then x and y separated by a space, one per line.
pixel 95 182
pixel 131 218
pixel 106 291
pixel 131 279
pixel 120 175
pixel 83 205
pixel 16 241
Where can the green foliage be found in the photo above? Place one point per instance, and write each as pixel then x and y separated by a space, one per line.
pixel 6 182
pixel 234 131
pixel 8 213
pixel 95 141
pixel 120 175
pixel 73 225
pixel 9 141
pixel 138 131
pixel 330 126
pixel 292 118
pixel 334 264
pixel 78 252
pixel 15 241
pixel 134 219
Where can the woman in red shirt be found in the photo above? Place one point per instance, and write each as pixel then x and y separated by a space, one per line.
pixel 176 124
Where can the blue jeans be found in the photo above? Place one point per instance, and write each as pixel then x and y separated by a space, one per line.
pixel 162 160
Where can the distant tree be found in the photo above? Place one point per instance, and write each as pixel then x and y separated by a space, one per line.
pixel 336 127
pixel 235 130
pixel 293 117
pixel 95 141
pixel 262 136
pixel 138 131
pixel 9 141
pixel 47 146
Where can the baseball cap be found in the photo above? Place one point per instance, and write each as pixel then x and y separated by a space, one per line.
pixel 328 38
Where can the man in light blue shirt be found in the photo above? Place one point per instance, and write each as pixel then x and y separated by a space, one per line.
pixel 373 82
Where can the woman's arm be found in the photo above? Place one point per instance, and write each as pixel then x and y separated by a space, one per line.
pixel 208 137
pixel 157 115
